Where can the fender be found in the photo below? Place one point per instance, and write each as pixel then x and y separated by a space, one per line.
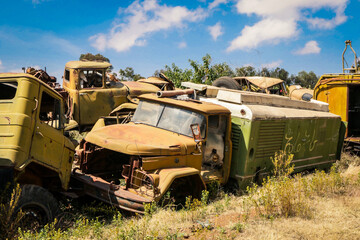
pixel 168 175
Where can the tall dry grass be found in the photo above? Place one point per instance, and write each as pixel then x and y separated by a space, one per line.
pixel 315 206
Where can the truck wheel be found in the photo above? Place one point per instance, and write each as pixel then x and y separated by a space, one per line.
pixel 184 187
pixel 227 82
pixel 38 206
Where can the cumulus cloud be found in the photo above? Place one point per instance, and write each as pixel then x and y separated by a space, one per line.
pixel 311 47
pixel 279 20
pixel 267 30
pixel 141 19
pixel 182 45
pixel 271 65
pixel 215 31
pixel 216 3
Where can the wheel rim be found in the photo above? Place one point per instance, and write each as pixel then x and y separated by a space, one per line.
pixel 34 217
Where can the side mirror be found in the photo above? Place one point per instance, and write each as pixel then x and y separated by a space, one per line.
pixel 195 129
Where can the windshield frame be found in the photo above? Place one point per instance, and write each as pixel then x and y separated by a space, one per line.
pixel 164 107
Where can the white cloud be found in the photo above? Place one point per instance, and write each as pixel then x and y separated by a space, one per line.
pixel 216 3
pixel 272 65
pixel 311 47
pixel 216 30
pixel 141 19
pixel 182 45
pixel 279 19
pixel 1 65
pixel 267 30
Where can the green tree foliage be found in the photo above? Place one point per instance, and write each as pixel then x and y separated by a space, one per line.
pixel 245 71
pixel 282 74
pixel 206 73
pixel 176 74
pixel 128 74
pixel 98 57
pixel 202 72
pixel 306 79
pixel 92 57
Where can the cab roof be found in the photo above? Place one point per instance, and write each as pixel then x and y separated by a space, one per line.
pixel 262 82
pixel 28 76
pixel 196 106
pixel 87 64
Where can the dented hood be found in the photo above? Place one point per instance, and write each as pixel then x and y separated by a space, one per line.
pixel 138 88
pixel 140 139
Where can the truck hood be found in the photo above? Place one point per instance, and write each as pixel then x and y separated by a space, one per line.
pixel 138 88
pixel 140 139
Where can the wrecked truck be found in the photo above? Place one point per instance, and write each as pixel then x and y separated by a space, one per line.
pixel 179 144
pixel 35 110
pixel 90 92
pixel 341 92
pixel 33 147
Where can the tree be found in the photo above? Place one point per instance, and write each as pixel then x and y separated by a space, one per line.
pixel 129 74
pixel 245 71
pixel 205 73
pixel 282 74
pixel 98 57
pixel 306 79
pixel 91 57
pixel 176 74
pixel 264 72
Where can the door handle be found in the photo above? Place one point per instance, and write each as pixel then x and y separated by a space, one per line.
pixel 39 134
pixel 82 94
pixel 36 104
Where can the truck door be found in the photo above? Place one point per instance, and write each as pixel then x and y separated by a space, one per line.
pixel 48 139
pixel 215 155
pixel 95 98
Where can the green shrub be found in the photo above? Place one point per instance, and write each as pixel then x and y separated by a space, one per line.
pixel 9 219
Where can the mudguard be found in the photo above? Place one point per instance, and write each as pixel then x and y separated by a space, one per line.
pixel 168 175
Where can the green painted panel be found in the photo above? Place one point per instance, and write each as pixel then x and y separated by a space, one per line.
pixel 314 143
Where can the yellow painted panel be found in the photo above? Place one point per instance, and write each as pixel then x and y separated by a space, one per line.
pixel 336 96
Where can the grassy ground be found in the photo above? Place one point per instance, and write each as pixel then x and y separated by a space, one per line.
pixel 316 206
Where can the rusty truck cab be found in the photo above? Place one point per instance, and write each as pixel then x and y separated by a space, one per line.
pixel 138 162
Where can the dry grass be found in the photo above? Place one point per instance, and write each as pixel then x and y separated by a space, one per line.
pixel 334 200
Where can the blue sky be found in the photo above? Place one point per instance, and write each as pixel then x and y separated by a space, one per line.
pixel 292 34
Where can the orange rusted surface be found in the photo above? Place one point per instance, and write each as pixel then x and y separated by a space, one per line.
pixel 137 88
pixel 140 139
pixel 262 82
pixel 175 93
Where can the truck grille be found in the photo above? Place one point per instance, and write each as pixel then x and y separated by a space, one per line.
pixel 235 135
pixel 270 140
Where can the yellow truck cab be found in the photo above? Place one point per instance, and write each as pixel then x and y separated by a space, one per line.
pixel 155 153
pixel 91 94
pixel 33 148
pixel 341 92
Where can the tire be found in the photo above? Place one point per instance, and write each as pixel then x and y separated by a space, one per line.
pixel 38 206
pixel 227 82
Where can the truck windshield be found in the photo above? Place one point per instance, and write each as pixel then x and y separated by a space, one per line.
pixel 169 118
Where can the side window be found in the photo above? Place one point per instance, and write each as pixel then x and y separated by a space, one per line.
pixel 8 90
pixel 50 111
pixel 67 75
pixel 90 78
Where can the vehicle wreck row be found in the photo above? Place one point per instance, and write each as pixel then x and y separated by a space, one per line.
pixel 173 143
pixel 158 150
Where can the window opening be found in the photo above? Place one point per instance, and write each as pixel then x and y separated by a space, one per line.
pixel 50 111
pixel 8 90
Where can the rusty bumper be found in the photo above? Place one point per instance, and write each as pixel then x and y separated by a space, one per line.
pixel 107 192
